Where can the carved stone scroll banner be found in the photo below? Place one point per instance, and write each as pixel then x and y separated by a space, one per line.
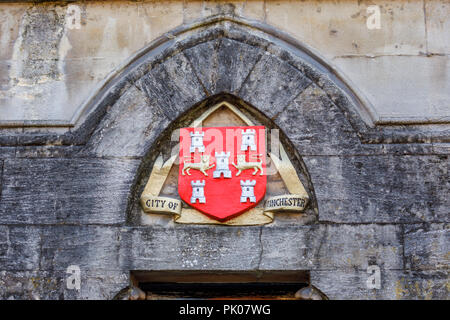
pixel 254 216
pixel 287 202
pixel 153 204
pixel 247 171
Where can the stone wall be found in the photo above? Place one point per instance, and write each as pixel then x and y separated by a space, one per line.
pixel 54 55
pixel 69 194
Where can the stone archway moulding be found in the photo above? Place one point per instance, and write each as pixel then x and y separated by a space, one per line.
pixel 268 33
pixel 262 40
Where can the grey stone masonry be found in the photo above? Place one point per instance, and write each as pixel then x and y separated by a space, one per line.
pixel 384 188
pixel 378 195
pixel 51 191
pixel 427 247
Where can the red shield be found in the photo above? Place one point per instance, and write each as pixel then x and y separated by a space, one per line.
pixel 222 169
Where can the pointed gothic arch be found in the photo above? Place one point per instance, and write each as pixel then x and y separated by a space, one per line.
pixel 223 55
pixel 221 59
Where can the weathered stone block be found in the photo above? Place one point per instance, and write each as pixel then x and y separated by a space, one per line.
pixel 125 28
pixel 351 284
pixel 381 188
pixel 310 122
pixel 89 247
pixel 52 285
pixel 437 22
pixel 426 285
pixel 427 247
pixel 331 247
pixel 31 285
pixel 258 88
pixel 19 248
pixel 4 241
pixel 98 285
pixel 172 86
pixel 194 10
pixel 190 247
pixel 339 27
pixel 8 138
pixel 6 152
pixel 42 28
pixel 422 99
pixel 395 285
pixel 222 65
pixel 133 115
pixel 49 191
pixel 47 151
pixel 441 148
pixel 1 178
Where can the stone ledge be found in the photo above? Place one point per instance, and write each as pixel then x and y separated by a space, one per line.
pixel 52 285
pixel 385 188
pixel 314 247
pixel 53 191
pixel 427 247
pixel 395 285
pixel 332 247
pixel 284 48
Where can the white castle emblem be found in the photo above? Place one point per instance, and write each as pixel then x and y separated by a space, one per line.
pixel 248 192
pixel 222 165
pixel 248 140
pixel 198 192
pixel 197 141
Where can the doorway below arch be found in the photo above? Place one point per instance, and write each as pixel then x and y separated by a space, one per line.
pixel 222 285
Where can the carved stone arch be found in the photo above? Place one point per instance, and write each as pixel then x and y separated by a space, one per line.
pixel 222 55
pixel 67 197
pixel 178 78
pixel 222 59
pixel 165 146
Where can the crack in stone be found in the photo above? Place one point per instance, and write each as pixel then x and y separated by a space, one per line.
pixel 425 23
pixel 261 54
pixel 261 250
pixel 207 93
pixel 1 177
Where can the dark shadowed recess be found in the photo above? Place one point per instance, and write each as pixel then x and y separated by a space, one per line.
pixel 221 285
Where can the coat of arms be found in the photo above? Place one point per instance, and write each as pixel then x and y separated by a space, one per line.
pixel 222 169
pixel 223 175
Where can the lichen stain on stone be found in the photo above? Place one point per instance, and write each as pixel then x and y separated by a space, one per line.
pixel 400 291
pixel 37 49
pixel 406 289
pixel 36 76
pixel 35 281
